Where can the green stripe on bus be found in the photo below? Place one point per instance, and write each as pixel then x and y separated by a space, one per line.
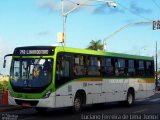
pixel 109 54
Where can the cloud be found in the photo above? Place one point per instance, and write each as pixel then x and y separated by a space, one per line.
pixel 1 44
pixel 47 4
pixel 4 49
pixel 93 7
pixel 54 5
pixel 2 53
pixel 139 10
pixel 103 9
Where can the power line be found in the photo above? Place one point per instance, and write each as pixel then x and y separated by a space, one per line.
pixel 73 2
pixel 156 4
pixel 77 3
pixel 133 12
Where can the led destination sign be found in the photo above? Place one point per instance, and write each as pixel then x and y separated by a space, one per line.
pixel 36 51
pixel 30 52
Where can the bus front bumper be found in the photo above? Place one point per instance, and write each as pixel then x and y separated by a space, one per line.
pixel 46 102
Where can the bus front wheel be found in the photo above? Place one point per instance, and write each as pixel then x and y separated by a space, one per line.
pixel 77 107
pixel 130 98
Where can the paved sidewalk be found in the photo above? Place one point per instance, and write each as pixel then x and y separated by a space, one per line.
pixel 4 108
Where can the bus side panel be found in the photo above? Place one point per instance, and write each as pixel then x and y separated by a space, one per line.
pixel 94 91
pixel 92 88
pixel 47 102
pixel 140 88
pixel 150 89
pixel 107 88
pixel 64 96
pixel 115 89
pixel 123 89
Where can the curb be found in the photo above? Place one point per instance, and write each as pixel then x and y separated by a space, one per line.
pixel 10 108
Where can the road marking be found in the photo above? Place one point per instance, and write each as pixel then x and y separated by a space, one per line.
pixel 154 100
pixel 139 111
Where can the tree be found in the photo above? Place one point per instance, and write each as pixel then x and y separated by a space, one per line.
pixel 95 45
pixel 3 85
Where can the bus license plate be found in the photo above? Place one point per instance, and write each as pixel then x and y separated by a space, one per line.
pixel 26 104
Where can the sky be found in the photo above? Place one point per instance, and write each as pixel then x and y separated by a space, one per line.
pixel 37 22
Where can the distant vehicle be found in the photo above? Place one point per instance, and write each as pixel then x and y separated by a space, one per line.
pixel 52 77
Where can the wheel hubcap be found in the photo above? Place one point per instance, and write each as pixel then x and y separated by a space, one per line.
pixel 77 104
pixel 130 99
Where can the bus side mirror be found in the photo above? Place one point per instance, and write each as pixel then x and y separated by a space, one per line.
pixel 4 64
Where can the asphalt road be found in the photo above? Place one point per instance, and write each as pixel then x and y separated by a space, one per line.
pixel 148 109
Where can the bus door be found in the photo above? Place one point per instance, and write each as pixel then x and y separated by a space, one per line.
pixel 95 81
pixel 63 90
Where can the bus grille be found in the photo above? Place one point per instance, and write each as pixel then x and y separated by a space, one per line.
pixel 32 103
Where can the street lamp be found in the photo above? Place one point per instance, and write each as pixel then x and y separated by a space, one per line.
pixel 65 14
pixel 120 29
pixel 156 65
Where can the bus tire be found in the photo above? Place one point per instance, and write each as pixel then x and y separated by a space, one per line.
pixel 130 98
pixel 41 110
pixel 77 106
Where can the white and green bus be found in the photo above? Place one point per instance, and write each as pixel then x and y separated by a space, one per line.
pixel 53 77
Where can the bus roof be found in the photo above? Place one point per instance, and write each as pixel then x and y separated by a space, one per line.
pixel 110 54
pixel 42 50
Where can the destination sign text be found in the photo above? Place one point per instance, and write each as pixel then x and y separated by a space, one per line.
pixel 34 52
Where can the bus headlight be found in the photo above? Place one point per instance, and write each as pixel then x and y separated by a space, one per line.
pixel 47 94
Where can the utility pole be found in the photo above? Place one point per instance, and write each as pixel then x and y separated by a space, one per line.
pixel 66 13
pixel 156 66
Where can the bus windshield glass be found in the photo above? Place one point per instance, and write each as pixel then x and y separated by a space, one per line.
pixel 31 73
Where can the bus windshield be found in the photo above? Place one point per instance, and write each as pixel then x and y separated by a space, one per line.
pixel 31 73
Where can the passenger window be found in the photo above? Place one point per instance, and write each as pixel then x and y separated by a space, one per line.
pixel 107 67
pixel 62 68
pixel 65 68
pixel 93 67
pixel 141 70
pixel 149 69
pixel 78 66
pixel 131 68
pixel 120 67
